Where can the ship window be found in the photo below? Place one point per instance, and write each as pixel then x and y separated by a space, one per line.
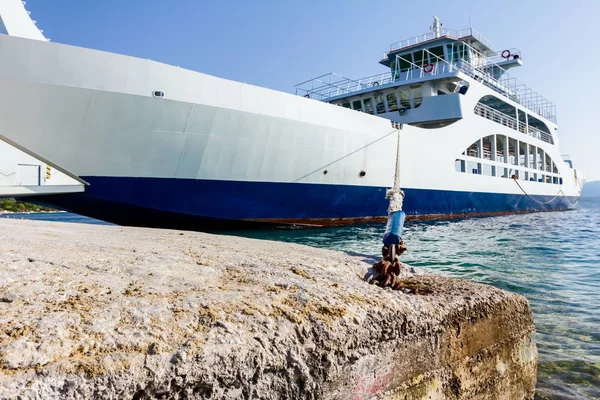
pixel 460 165
pixel 404 99
pixel 419 58
pixel 486 169
pixel 512 151
pixel 520 159
pixel 379 104
pixel 473 167
pixel 392 102
pixel 499 105
pixel 536 123
pixel 522 154
pixel 487 147
pixel 500 148
pixel 472 150
pixel 158 93
pixel 458 52
pixel 435 53
pixel 356 105
pixel 417 95
pixel 368 105
pixel 405 61
pixel 346 105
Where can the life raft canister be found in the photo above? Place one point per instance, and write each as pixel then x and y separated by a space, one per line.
pixel 506 54
pixel 427 68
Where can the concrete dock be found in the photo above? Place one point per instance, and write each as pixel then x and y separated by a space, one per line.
pixel 90 311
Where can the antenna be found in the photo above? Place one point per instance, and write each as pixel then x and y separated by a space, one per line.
pixel 436 27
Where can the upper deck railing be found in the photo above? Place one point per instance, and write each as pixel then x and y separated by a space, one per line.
pixel 485 70
pixel 331 85
pixel 443 33
pixel 511 122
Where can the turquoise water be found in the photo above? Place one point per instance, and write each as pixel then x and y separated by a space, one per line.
pixel 551 258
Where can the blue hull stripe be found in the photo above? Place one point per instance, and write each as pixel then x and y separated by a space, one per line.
pixel 139 198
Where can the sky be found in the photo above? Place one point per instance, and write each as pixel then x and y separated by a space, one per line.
pixel 277 44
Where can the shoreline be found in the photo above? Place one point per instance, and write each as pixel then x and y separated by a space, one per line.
pixel 115 311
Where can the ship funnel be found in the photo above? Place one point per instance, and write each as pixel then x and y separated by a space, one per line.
pixel 15 21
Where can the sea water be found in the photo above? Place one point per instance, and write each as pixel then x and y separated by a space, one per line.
pixel 553 259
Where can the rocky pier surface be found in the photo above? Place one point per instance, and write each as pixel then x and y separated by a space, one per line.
pixel 89 311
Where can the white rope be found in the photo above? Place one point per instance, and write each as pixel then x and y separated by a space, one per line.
pixel 345 156
pixel 395 194
pixel 565 198
pixel 396 198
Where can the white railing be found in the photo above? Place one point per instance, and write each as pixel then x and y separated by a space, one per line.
pixel 501 56
pixel 443 32
pixel 511 122
pixel 330 85
pixel 482 69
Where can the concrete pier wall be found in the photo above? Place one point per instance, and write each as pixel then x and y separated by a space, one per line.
pixel 129 313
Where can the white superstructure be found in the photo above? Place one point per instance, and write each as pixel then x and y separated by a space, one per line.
pixel 164 146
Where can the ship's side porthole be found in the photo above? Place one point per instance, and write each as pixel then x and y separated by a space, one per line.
pixel 325 172
pixel 158 93
pixel 362 174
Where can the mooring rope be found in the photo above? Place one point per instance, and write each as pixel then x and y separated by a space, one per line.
pixel 387 271
pixel 565 198
pixel 347 155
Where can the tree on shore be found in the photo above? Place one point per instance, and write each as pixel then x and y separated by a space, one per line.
pixel 17 206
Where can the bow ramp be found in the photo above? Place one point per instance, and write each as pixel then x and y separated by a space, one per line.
pixel 24 174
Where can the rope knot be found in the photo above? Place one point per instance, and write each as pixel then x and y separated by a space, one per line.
pixel 396 197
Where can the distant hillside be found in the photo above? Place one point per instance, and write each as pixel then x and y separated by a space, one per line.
pixel 591 189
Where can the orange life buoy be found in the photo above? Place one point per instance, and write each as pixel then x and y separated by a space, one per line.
pixel 427 68
pixel 506 54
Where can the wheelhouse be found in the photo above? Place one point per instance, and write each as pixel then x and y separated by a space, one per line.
pixel 426 67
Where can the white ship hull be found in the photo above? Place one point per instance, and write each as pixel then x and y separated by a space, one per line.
pixel 213 150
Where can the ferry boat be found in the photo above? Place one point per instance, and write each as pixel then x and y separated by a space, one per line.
pixel 162 146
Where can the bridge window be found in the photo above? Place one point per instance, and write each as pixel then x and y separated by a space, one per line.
pixel 436 52
pixel 392 102
pixel 419 58
pixel 404 62
pixel 356 105
pixel 368 103
pixel 404 99
pixel 417 95
pixel 379 104
pixel 346 105
pixel 458 51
